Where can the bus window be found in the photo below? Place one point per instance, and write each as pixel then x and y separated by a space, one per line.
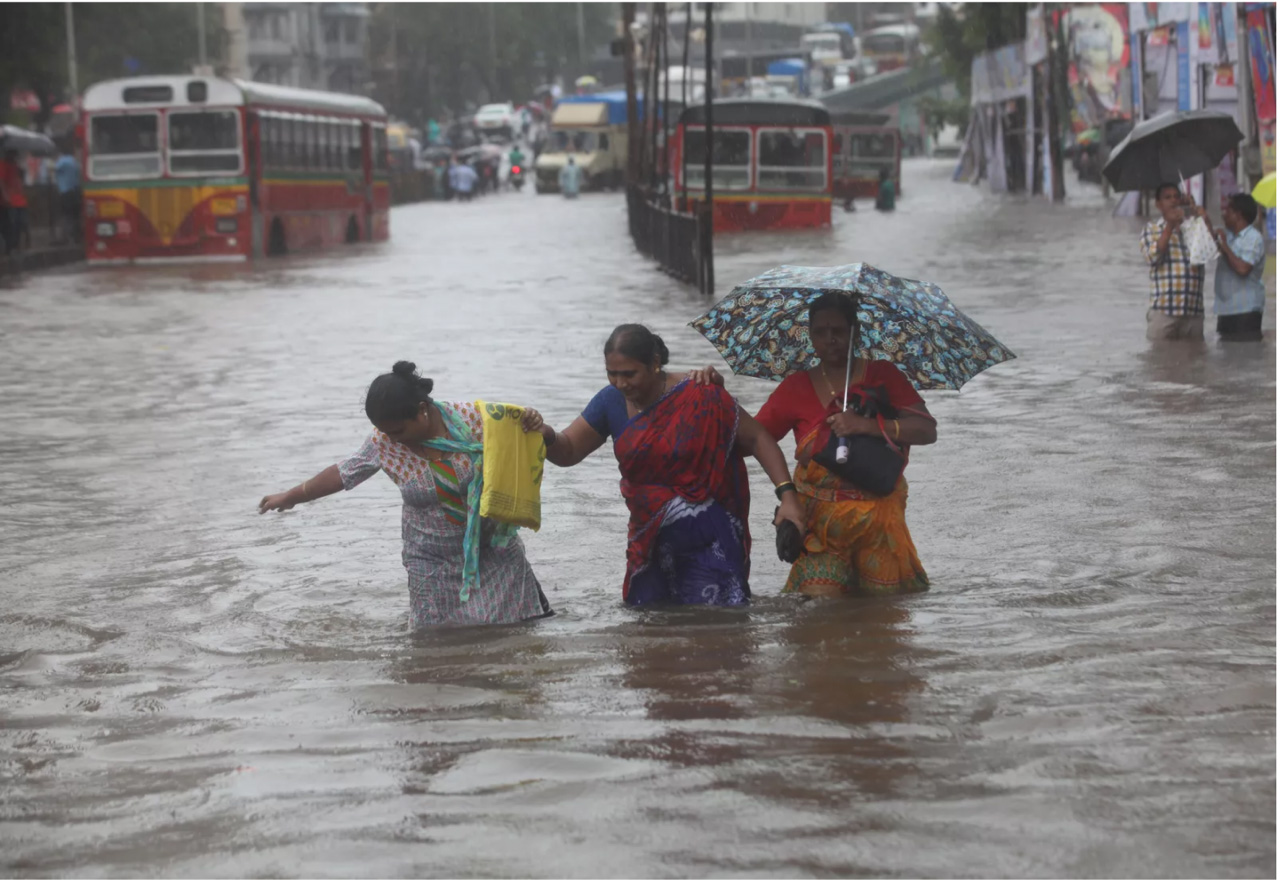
pixel 204 141
pixel 353 146
pixel 380 148
pixel 275 142
pixel 322 137
pixel 791 159
pixel 124 146
pixel 730 158
pixel 288 143
pixel 312 140
pixel 333 132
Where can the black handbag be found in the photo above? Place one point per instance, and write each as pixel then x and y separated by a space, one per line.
pixel 790 542
pixel 875 464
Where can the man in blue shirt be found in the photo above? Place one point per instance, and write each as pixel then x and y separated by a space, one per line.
pixel 66 176
pixel 1239 294
pixel 462 178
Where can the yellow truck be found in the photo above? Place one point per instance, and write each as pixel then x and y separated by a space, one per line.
pixel 592 129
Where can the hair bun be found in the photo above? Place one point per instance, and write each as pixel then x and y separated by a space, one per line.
pixel 405 369
pixel 426 385
pixel 661 348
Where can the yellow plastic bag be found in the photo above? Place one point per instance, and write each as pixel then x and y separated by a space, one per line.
pixel 513 461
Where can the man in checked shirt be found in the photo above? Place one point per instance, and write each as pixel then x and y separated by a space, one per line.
pixel 1177 287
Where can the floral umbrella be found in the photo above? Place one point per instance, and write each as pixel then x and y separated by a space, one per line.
pixel 762 327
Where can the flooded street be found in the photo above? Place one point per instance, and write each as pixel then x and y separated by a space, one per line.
pixel 190 689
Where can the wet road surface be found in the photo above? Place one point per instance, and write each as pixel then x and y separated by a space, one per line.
pixel 189 689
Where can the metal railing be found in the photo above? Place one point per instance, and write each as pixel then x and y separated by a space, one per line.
pixel 675 240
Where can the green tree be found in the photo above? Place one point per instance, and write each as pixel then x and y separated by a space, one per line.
pixel 112 40
pixel 431 56
pixel 958 36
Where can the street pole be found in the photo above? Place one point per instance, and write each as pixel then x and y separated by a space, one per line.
pixel 582 42
pixel 1055 132
pixel 629 79
pixel 71 58
pixel 708 212
pixel 1244 103
pixel 395 62
pixel 493 54
pixel 204 54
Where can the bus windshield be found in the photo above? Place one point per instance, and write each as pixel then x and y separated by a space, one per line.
pixel 730 158
pixel 885 44
pixel 573 141
pixel 202 141
pixel 791 159
pixel 824 45
pixel 124 146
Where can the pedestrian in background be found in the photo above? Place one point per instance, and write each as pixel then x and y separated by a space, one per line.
pixel 570 179
pixel 462 179
pixel 14 199
pixel 66 176
pixel 1238 292
pixel 886 195
pixel 1177 286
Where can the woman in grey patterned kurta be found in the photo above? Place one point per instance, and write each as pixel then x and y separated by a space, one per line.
pixel 433 484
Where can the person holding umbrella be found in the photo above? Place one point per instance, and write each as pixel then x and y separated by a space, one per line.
pixel 830 335
pixel 856 541
pixel 1176 309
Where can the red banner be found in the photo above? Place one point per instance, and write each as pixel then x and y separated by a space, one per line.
pixel 1262 61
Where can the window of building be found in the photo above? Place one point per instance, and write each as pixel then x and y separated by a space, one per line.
pixel 351 32
pixel 331 32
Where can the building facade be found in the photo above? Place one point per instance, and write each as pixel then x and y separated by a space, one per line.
pixel 309 45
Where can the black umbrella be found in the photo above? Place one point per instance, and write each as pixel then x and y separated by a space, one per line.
pixel 1171 147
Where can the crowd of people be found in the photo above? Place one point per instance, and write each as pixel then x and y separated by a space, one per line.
pixel 63 174
pixel 681 441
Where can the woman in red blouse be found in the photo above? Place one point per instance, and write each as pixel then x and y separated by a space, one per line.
pixel 854 541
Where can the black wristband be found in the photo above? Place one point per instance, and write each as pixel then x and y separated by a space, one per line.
pixel 784 487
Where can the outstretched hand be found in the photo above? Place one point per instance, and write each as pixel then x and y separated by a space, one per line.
pixel 280 501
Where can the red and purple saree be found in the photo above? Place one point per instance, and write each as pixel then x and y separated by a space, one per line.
pixel 686 487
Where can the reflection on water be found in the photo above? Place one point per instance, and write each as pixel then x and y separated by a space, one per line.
pixel 190 689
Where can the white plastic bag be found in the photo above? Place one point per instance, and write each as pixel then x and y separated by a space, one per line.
pixel 1199 241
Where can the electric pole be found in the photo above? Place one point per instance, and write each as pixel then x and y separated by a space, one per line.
pixel 71 58
pixel 204 53
pixel 629 78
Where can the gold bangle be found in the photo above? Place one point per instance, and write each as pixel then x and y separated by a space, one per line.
pixel 897 429
pixel 305 495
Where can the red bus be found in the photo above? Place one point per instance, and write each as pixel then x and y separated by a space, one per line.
pixel 191 168
pixel 771 163
pixel 863 146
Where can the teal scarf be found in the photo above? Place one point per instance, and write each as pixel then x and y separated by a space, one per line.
pixel 461 442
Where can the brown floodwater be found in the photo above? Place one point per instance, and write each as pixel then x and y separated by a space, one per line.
pixel 189 689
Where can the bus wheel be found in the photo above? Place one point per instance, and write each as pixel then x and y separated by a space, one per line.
pixel 277 245
pixel 353 231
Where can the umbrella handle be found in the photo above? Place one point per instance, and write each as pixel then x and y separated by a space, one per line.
pixel 842 450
